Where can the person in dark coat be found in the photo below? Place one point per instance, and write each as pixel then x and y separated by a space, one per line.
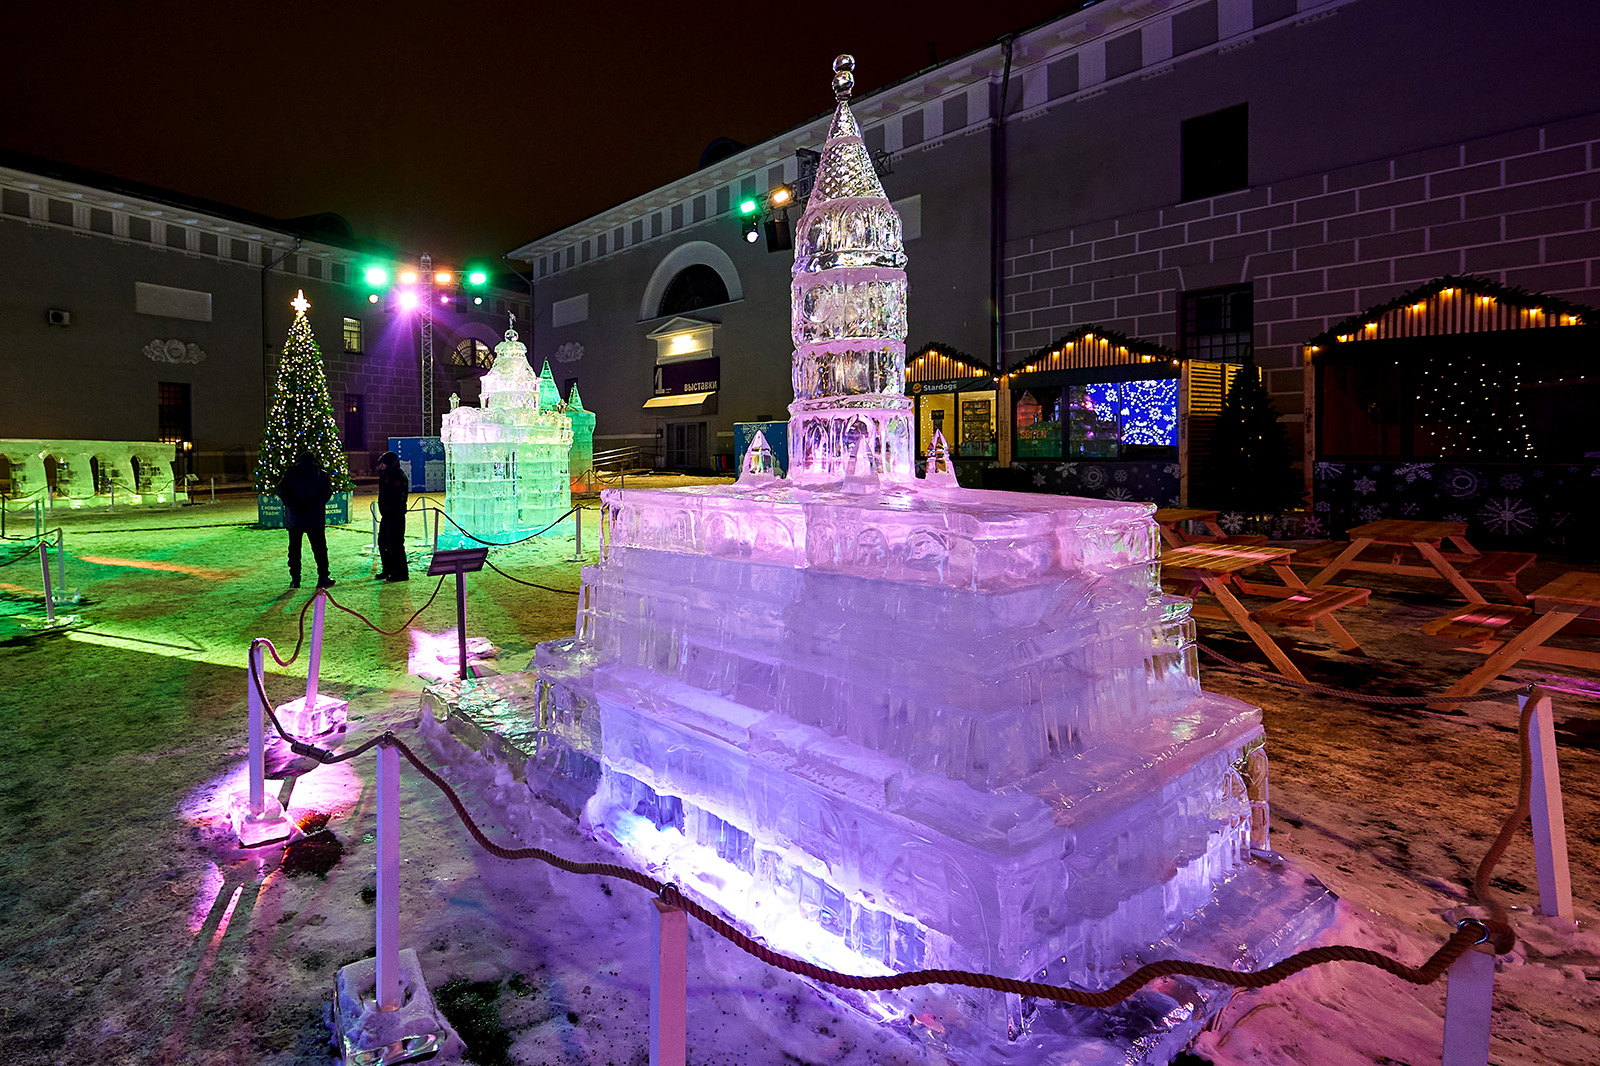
pixel 305 491
pixel 393 490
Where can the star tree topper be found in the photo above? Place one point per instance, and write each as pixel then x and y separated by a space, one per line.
pixel 300 303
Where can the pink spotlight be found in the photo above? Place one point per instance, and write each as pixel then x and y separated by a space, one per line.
pixel 408 300
pixel 445 300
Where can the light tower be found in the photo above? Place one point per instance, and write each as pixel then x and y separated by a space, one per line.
pixel 425 285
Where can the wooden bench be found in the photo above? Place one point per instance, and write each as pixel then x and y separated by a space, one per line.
pixel 1476 623
pixel 1311 607
pixel 1320 555
pixel 1499 569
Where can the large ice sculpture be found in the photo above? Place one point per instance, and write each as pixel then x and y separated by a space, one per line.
pixel 891 723
pixel 94 473
pixel 506 462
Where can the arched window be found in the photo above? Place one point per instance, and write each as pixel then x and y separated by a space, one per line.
pixel 692 288
pixel 472 353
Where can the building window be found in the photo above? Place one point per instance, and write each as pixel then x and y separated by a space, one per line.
pixel 692 288
pixel 1216 155
pixel 472 353
pixel 173 415
pixel 355 421
pixel 352 335
pixel 1219 324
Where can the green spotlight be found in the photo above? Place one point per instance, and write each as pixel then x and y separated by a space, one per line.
pixel 478 278
pixel 376 276
pixel 749 206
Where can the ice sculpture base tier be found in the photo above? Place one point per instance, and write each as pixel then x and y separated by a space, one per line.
pixel 890 531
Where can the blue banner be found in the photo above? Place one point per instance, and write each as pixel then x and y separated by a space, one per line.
pixel 422 458
pixel 777 434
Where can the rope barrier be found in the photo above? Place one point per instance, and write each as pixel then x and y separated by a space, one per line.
pixel 27 553
pixel 368 622
pixel 1496 929
pixel 507 543
pixel 1357 697
pixel 530 584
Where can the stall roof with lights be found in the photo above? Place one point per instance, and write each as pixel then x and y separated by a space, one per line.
pixel 1457 304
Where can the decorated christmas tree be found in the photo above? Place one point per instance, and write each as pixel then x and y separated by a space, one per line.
pixel 1251 463
pixel 301 418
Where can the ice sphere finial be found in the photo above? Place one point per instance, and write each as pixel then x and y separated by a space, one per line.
pixel 844 78
pixel 759 462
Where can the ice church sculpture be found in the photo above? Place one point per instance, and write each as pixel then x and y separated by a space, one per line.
pixel 889 723
pixel 506 462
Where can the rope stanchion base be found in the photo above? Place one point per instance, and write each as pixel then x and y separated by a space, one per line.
pixel 417 1031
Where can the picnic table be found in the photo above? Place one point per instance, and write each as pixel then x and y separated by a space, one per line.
pixel 1426 538
pixel 1570 597
pixel 1172 519
pixel 1218 569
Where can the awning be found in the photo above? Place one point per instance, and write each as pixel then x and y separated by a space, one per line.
pixel 688 399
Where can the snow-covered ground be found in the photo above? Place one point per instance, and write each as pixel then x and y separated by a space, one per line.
pixel 131 932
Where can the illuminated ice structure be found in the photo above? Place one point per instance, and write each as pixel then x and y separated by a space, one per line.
pixel 889 723
pixel 580 459
pixel 506 473
pixel 93 473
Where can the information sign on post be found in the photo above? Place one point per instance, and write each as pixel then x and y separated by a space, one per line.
pixel 460 562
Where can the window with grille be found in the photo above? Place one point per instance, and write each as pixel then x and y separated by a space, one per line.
pixel 355 421
pixel 1219 324
pixel 173 416
pixel 352 335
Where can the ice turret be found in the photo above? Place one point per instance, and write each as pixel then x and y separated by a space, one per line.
pixel 848 317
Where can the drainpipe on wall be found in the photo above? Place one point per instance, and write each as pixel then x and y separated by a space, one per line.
pixel 997 242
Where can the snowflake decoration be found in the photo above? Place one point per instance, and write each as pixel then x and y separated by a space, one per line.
pixel 1370 514
pixel 1328 469
pixel 1232 522
pixel 1409 509
pixel 1559 518
pixel 1311 526
pixel 1093 477
pixel 1463 482
pixel 1171 470
pixel 1413 471
pixel 1511 481
pixel 1038 480
pixel 1066 470
pixel 1455 518
pixel 1119 475
pixel 1323 506
pixel 1364 485
pixel 1508 515
pixel 1119 493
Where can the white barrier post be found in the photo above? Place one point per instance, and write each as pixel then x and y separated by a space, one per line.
pixel 435 527
pixel 314 664
pixel 1260 808
pixel 258 740
pixel 61 559
pixel 1468 1004
pixel 374 506
pixel 388 900
pixel 213 490
pixel 259 819
pixel 1549 820
pixel 669 986
pixel 577 535
pixel 49 598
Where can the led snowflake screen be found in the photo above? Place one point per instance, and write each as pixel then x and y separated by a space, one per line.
pixel 1147 410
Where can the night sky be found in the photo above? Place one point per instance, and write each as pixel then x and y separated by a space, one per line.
pixel 461 128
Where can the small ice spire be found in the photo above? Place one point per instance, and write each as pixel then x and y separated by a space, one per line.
pixel 759 463
pixel 861 470
pixel 940 471
pixel 455 401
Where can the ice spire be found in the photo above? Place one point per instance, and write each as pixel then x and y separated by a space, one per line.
pixel 574 401
pixel 759 462
pixel 549 395
pixel 940 470
pixel 848 314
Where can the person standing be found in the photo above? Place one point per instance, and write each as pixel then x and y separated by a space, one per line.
pixel 393 489
pixel 305 491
